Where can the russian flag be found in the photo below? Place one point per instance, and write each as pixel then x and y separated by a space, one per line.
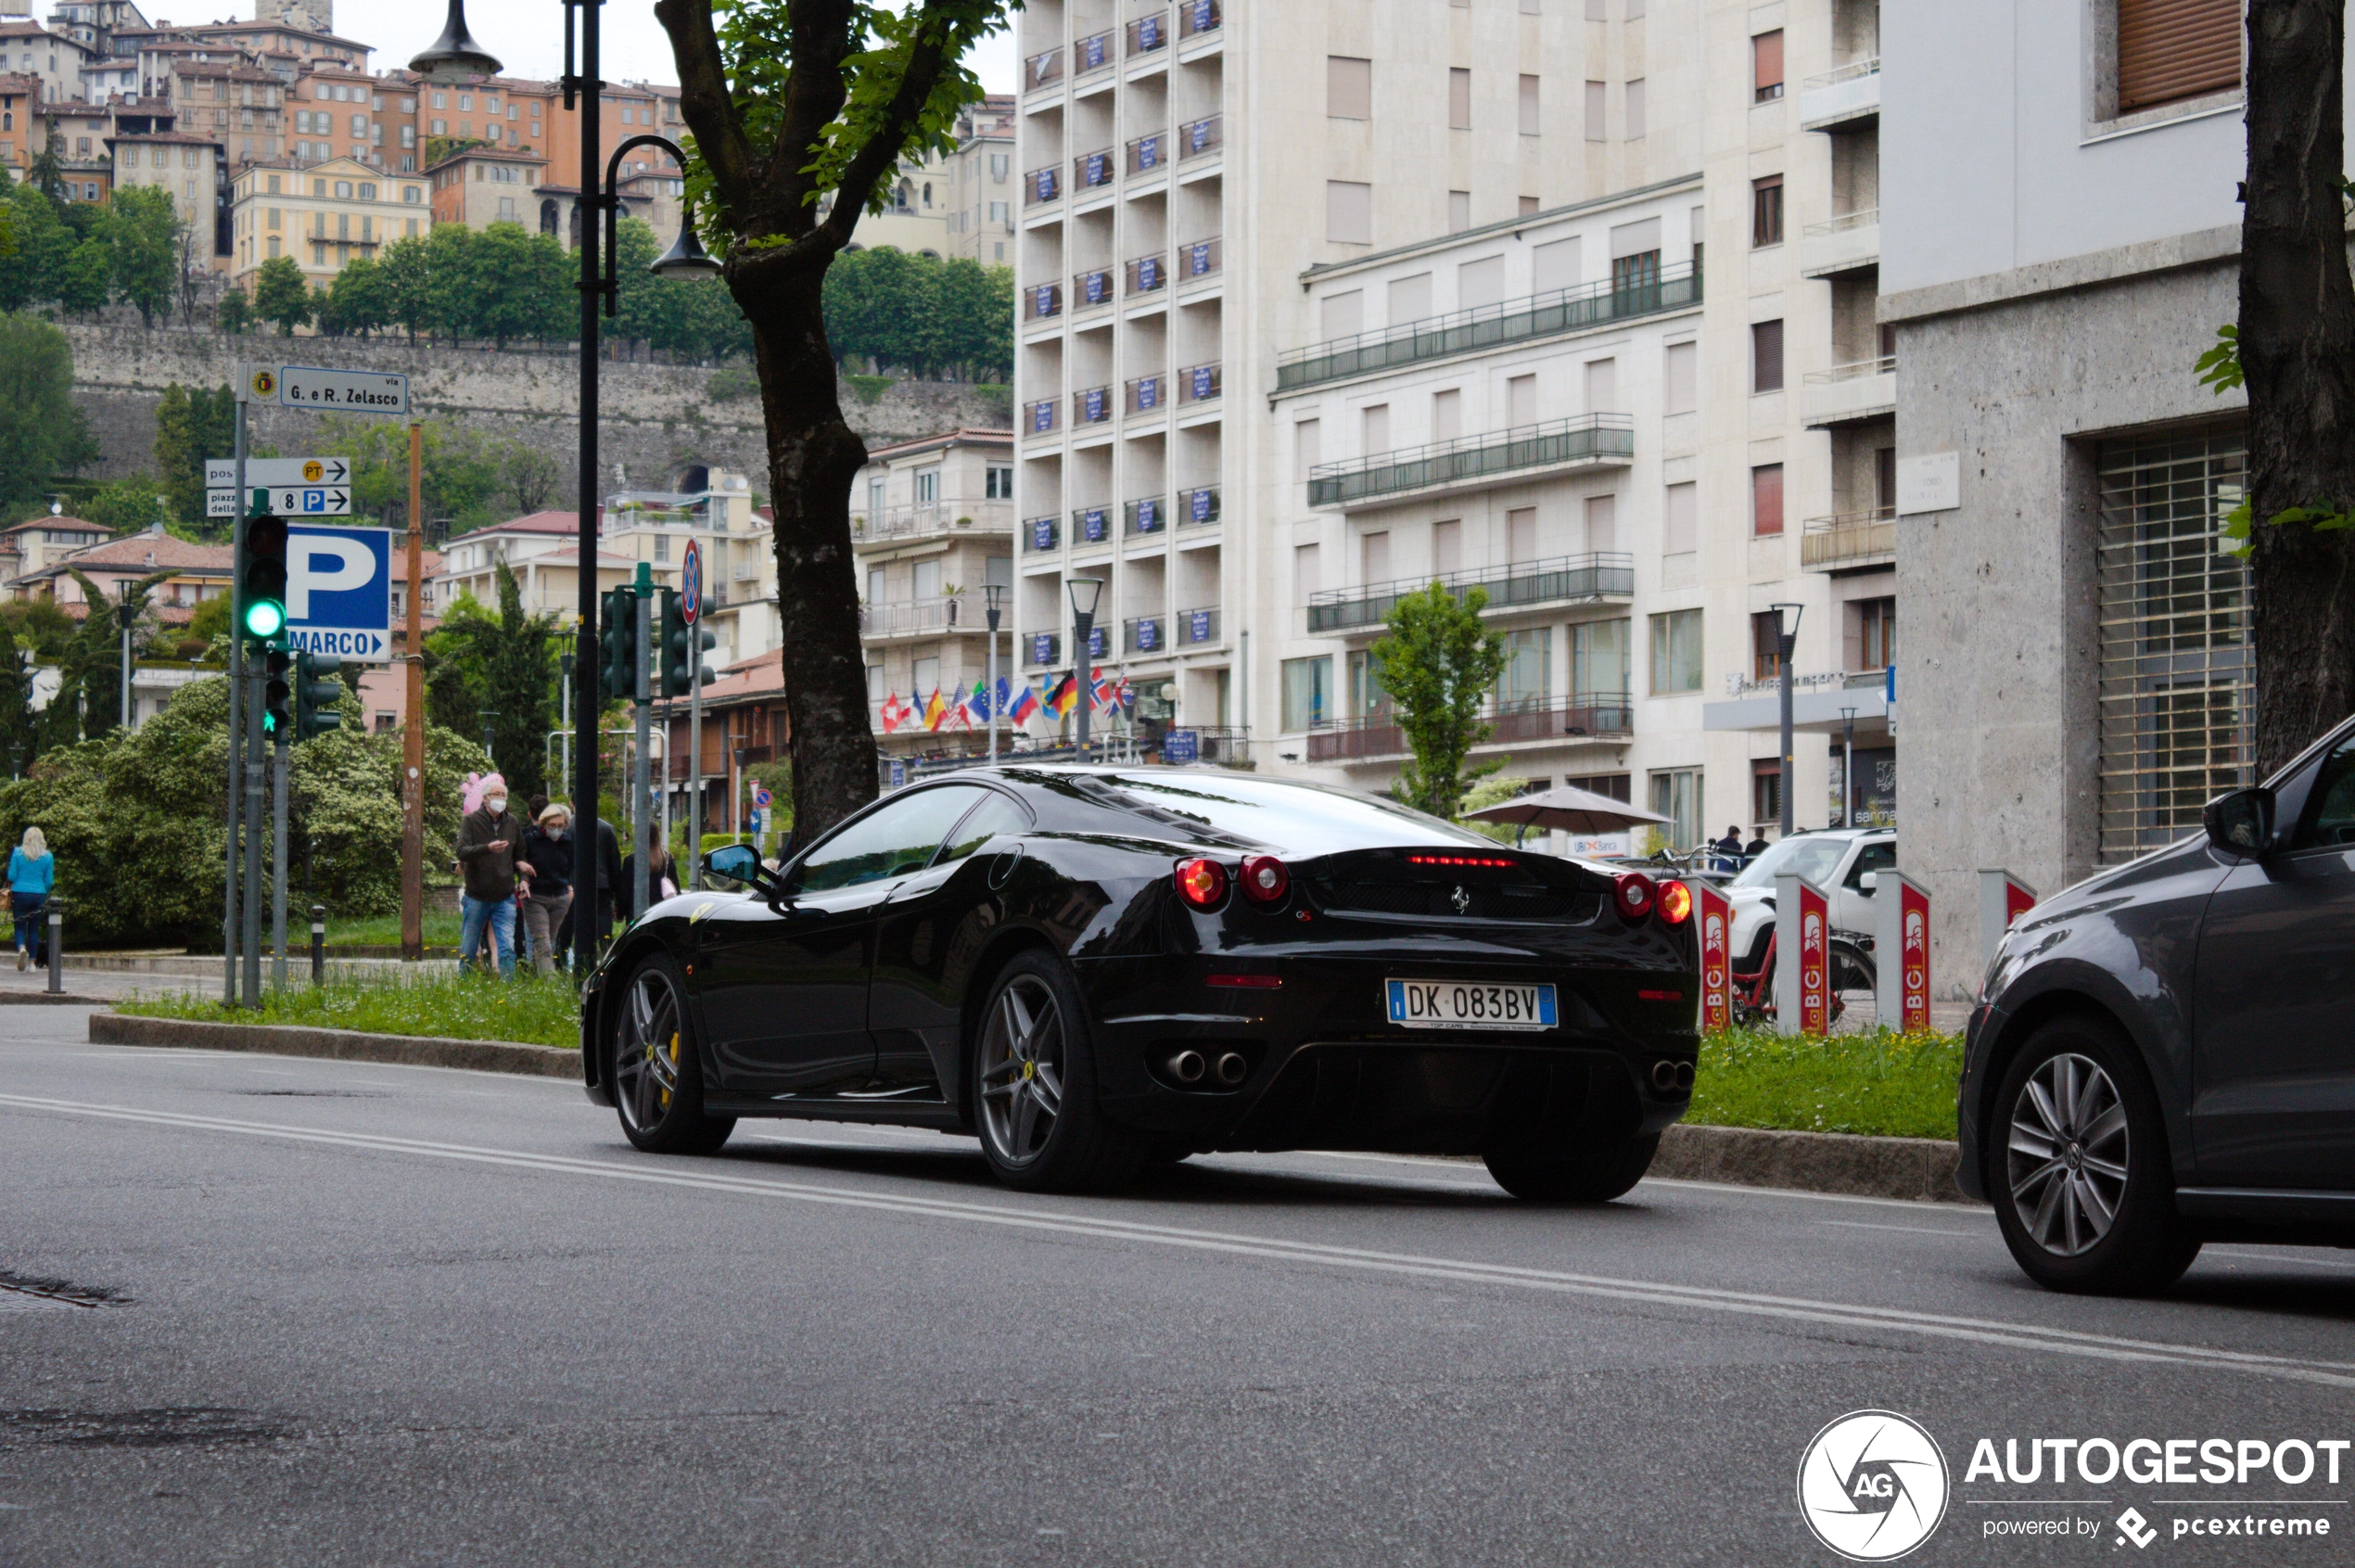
pixel 1025 704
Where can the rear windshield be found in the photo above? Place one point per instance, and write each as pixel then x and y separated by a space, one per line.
pixel 1814 859
pixel 1302 819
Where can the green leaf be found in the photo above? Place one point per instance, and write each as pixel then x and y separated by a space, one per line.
pixel 2220 368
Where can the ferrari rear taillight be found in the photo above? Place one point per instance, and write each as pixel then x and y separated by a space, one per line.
pixel 1264 879
pixel 1632 892
pixel 1674 902
pixel 1201 883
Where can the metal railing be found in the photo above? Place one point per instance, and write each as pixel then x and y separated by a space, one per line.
pixel 1199 383
pixel 1845 222
pixel 1378 735
pixel 1042 69
pixel 1145 634
pixel 1040 418
pixel 1042 184
pixel 1042 533
pixel 1145 394
pixel 1854 370
pixel 1197 506
pixel 1198 258
pixel 1042 301
pixel 1149 32
pixel 1148 153
pixel 1198 137
pixel 1092 53
pixel 1091 525
pixel 1145 515
pixel 1089 289
pixel 1092 406
pixel 1042 647
pixel 1196 626
pixel 898 522
pixel 1591 438
pixel 1195 17
pixel 1674 287
pixel 1603 575
pixel 1848 538
pixel 1848 73
pixel 1091 170
pixel 916 617
pixel 1146 274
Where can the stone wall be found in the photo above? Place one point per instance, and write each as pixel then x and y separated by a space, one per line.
pixel 657 418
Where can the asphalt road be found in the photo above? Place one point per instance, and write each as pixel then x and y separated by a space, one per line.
pixel 378 1315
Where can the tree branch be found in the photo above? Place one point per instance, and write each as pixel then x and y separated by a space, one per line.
pixel 882 149
pixel 704 98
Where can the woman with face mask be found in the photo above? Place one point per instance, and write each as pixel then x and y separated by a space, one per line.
pixel 488 840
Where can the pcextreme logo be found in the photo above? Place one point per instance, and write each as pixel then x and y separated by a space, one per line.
pixel 1873 1485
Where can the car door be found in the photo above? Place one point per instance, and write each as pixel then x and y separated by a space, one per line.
pixel 915 1002
pixel 1852 902
pixel 783 984
pixel 2274 1004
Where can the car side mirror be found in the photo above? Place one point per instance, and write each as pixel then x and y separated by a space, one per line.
pixel 740 864
pixel 1870 882
pixel 2241 823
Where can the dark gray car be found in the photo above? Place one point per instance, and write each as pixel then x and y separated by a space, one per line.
pixel 2165 1054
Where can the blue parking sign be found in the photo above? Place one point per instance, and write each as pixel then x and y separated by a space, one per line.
pixel 339 592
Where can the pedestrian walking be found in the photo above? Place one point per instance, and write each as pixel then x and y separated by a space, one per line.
pixel 488 840
pixel 32 871
pixel 659 874
pixel 546 863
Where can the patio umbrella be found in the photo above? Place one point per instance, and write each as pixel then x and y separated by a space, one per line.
pixel 1573 811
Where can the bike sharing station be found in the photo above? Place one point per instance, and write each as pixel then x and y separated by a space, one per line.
pixel 310 596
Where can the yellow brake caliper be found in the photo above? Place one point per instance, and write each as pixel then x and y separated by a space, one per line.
pixel 674 1069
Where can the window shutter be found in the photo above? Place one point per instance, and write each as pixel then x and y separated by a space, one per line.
pixel 2173 49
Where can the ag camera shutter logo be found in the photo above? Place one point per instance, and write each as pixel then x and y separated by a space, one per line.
pixel 1873 1485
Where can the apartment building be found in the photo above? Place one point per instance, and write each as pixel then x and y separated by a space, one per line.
pixel 479 187
pixel 983 188
pixel 2076 681
pixel 542 550
pixel 28 547
pixel 241 105
pixel 933 524
pixel 20 118
pixel 57 58
pixel 184 166
pixel 324 216
pixel 713 508
pixel 1323 219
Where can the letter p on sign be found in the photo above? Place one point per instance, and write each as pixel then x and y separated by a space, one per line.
pixel 323 564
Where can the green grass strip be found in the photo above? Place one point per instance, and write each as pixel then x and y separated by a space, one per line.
pixel 1885 1083
pixel 529 1009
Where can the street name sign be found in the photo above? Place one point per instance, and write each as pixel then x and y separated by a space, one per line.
pixel 300 500
pixel 221 473
pixel 340 392
pixel 339 592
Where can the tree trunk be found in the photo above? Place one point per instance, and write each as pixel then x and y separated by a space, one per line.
pixel 814 458
pixel 2297 353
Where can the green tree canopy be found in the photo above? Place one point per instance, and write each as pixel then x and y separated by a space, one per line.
pixel 503 665
pixel 234 314
pixel 42 431
pixel 1439 663
pixel 280 295
pixel 191 427
pixel 142 238
pixel 926 316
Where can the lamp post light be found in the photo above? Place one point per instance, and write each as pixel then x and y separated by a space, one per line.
pixel 993 594
pixel 1786 639
pixel 455 56
pixel 1085 592
pixel 1848 768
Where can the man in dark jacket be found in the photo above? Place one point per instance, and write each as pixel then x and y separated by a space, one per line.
pixel 488 840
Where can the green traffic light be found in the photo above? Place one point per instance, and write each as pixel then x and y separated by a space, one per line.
pixel 265 617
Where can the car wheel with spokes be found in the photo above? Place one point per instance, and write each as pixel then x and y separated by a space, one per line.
pixel 1035 1087
pixel 2083 1190
pixel 657 1074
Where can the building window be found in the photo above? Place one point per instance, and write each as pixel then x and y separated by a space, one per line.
pixel 1598 663
pixel 1349 212
pixel 2174 687
pixel 1532 119
pixel 1528 680
pixel 2169 50
pixel 1766 356
pixel 1677 652
pixel 1307 692
pixel 1000 484
pixel 1766 67
pixel 1767 500
pixel 1349 88
pixel 1766 792
pixel 1676 794
pixel 1766 211
pixel 1597 129
pixel 1876 633
pixel 1766 645
pixel 1458 99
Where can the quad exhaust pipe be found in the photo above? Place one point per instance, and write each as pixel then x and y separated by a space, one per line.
pixel 1188 1067
pixel 1670 1078
pixel 1232 1068
pixel 1191 1067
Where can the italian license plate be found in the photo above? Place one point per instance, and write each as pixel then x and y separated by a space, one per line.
pixel 1465 1005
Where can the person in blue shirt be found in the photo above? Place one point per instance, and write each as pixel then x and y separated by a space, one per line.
pixel 32 872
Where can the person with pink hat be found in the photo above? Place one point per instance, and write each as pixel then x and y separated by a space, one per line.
pixel 488 840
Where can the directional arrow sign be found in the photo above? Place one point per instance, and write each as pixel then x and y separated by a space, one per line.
pixel 285 500
pixel 221 473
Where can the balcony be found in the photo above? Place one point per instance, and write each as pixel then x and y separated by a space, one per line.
pixel 1849 394
pixel 1041 534
pixel 1042 302
pixel 1098 641
pixel 1147 154
pixel 1042 70
pixel 1146 634
pixel 1043 648
pixel 1039 419
pixel 1196 628
pixel 1377 736
pixel 1198 506
pixel 1847 97
pixel 1092 170
pixel 920 617
pixel 1198 16
pixel 1850 243
pixel 1091 525
pixel 896 523
pixel 1358 740
pixel 1149 34
pixel 1091 289
pixel 1198 258
pixel 1042 184
pixel 1594 441
pixel 1146 394
pixel 1198 383
pixel 1091 53
pixel 1093 406
pixel 1514 321
pixel 1147 274
pixel 1147 515
pixel 1850 541
pixel 1563 579
pixel 1199 139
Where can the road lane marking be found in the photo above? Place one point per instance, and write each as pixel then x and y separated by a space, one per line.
pixel 1651 1292
pixel 1908 1230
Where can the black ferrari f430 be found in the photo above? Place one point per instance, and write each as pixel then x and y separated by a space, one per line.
pixel 1094 969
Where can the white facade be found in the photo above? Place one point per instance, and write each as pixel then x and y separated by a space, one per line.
pixel 1205 185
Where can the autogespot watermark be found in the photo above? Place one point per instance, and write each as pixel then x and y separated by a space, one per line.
pixel 1874 1484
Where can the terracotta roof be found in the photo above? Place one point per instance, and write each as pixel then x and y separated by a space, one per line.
pixel 183 138
pixel 129 556
pixel 45 521
pixel 763 676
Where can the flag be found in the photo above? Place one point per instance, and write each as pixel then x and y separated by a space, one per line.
pixel 934 710
pixel 1100 692
pixel 894 713
pixel 1127 695
pixel 1005 703
pixel 1065 697
pixel 1024 705
pixel 977 704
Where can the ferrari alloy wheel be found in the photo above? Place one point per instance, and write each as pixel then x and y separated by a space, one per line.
pixel 657 1080
pixel 1034 1087
pixel 2078 1166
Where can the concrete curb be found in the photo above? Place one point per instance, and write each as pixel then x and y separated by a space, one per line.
pixel 1920 1169
pixel 343 1045
pixel 45 999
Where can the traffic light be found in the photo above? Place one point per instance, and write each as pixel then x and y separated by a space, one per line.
pixel 618 647
pixel 277 712
pixel 318 695
pixel 680 644
pixel 264 574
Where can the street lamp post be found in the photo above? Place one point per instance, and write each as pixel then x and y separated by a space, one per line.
pixel 490 737
pixel 1786 639
pixel 1085 592
pixel 1848 768
pixel 995 595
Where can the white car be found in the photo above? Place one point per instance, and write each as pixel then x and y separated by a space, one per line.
pixel 1837 860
